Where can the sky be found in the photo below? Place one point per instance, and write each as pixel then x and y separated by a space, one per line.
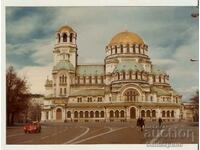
pixel 170 32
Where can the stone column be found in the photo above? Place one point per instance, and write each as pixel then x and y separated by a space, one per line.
pixel 43 116
pixel 68 37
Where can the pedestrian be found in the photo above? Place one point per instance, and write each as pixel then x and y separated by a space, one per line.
pixel 160 122
pixel 138 122
pixel 142 124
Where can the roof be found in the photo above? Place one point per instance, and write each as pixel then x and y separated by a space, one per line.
pixel 157 71
pixel 88 92
pixel 90 70
pixel 65 29
pixel 161 91
pixel 128 66
pixel 48 82
pixel 125 38
pixel 63 65
pixel 175 93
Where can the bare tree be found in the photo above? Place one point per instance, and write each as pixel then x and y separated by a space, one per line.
pixel 195 101
pixel 17 95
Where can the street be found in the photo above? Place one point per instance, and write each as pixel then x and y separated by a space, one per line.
pixel 106 133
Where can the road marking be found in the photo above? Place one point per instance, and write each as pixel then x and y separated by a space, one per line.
pixel 44 137
pixel 8 136
pixel 53 134
pixel 98 135
pixel 76 138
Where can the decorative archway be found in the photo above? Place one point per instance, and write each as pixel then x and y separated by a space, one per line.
pixel 153 113
pixel 142 113
pixel 132 113
pixel 58 114
pixel 131 95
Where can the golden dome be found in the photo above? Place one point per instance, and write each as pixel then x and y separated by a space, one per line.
pixel 65 29
pixel 126 37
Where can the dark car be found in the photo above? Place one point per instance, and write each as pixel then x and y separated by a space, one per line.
pixel 33 127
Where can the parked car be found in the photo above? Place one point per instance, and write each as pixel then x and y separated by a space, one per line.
pixel 33 127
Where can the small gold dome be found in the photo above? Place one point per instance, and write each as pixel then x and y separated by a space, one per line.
pixel 66 29
pixel 126 37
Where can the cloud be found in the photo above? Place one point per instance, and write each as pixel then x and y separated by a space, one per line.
pixel 170 32
pixel 36 77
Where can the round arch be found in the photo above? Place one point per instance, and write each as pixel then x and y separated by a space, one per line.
pixel 132 112
pixel 58 114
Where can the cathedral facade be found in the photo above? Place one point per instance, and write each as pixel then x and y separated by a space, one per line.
pixel 125 87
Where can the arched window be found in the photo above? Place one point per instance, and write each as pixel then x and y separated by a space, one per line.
pixel 153 113
pixel 64 37
pixel 65 79
pixel 68 114
pixel 148 113
pixel 131 95
pixel 163 113
pixel 96 79
pixel 124 75
pixel 117 114
pixel 86 114
pixel 58 36
pixel 71 37
pixel 172 113
pixel 139 49
pixel 111 114
pixel 90 79
pixel 81 114
pixel 136 75
pixel 99 99
pixel 176 100
pixel 122 113
pixel 79 99
pixel 60 79
pixel 168 113
pixel 97 114
pixel 134 48
pixel 84 79
pixel 102 114
pixel 65 91
pixel 89 99
pixel 91 114
pixel 154 78
pixel 160 79
pixel 115 49
pixel 151 98
pixel 121 48
pixel 142 113
pixel 75 114
pixel 130 74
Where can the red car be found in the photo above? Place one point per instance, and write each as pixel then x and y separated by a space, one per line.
pixel 33 127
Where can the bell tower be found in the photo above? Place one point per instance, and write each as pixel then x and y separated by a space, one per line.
pixel 65 48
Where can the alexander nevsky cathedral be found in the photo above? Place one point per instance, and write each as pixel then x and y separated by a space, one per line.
pixel 127 86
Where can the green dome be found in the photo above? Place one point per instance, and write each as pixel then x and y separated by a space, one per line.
pixel 128 66
pixel 63 65
pixel 157 71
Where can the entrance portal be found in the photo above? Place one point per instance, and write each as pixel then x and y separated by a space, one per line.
pixel 58 114
pixel 132 113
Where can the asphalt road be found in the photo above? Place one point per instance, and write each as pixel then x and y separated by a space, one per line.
pixel 106 133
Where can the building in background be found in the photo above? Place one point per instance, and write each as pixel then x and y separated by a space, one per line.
pixel 190 112
pixel 127 86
